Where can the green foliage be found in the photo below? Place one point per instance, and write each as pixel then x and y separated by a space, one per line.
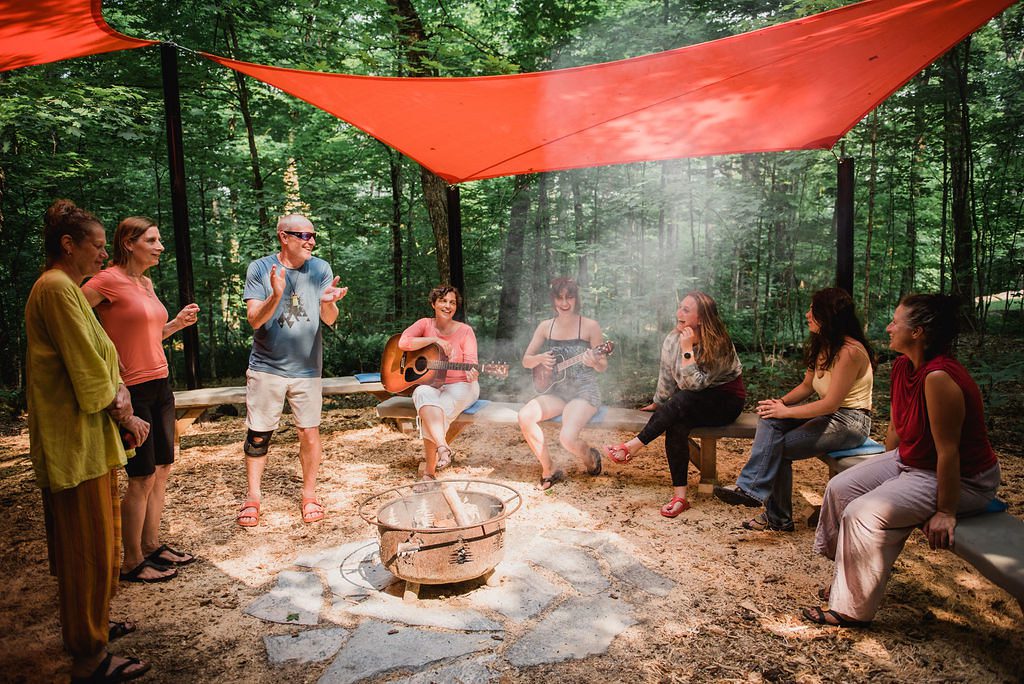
pixel 755 231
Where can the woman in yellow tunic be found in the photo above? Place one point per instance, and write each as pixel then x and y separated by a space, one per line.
pixel 76 401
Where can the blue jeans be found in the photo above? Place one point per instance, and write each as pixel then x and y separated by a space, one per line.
pixel 768 474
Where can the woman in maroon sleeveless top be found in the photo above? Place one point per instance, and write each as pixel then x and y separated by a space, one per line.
pixel 939 465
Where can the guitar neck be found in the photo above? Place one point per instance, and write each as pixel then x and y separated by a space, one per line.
pixel 571 361
pixel 452 365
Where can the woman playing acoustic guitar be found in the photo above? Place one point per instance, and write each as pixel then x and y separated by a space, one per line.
pixel 436 407
pixel 575 396
pixel 700 383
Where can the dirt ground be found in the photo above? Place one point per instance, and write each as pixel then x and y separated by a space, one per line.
pixel 732 617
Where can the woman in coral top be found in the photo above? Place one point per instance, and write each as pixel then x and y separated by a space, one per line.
pixel 939 465
pixel 137 322
pixel 437 407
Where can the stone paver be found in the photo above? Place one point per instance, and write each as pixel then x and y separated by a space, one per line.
pixel 580 627
pixel 627 568
pixel 391 635
pixel 582 537
pixel 620 556
pixel 335 556
pixel 423 613
pixel 295 600
pixel 463 671
pixel 310 646
pixel 373 650
pixel 522 593
pixel 573 564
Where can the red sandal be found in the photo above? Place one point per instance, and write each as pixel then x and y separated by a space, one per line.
pixel 314 514
pixel 612 450
pixel 676 499
pixel 249 505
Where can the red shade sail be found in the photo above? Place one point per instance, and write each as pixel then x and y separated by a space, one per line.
pixel 42 31
pixel 797 85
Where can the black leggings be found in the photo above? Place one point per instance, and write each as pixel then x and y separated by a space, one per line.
pixel 684 411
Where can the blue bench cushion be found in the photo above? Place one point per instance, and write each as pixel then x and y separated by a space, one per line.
pixel 869 446
pixel 476 406
pixel 596 418
pixel 368 377
pixel 996 505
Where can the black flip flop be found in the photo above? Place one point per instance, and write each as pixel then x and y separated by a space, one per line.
pixel 133 574
pixel 595 470
pixel 156 558
pixel 120 629
pixel 817 616
pixel 551 480
pixel 118 674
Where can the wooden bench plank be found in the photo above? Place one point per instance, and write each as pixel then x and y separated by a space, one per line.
pixel 703 441
pixel 190 404
pixel 994 544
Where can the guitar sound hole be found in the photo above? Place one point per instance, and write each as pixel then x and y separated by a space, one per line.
pixel 421 364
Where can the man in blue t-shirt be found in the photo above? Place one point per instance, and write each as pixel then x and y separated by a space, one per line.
pixel 287 295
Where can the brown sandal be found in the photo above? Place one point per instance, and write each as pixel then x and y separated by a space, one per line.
pixel 254 518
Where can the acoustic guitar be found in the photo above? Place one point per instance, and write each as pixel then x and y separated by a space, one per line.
pixel 401 371
pixel 545 378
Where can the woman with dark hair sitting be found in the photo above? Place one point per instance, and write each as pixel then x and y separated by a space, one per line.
pixel 700 383
pixel 839 363
pixel 437 407
pixel 939 464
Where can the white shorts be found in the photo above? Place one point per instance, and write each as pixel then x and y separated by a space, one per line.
pixel 453 399
pixel 264 400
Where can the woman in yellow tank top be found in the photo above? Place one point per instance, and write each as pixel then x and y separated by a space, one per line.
pixel 840 370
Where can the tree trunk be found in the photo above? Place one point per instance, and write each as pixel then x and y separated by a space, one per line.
pixel 412 35
pixel 540 274
pixel 872 184
pixel 580 230
pixel 958 133
pixel 243 105
pixel 395 166
pixel 512 265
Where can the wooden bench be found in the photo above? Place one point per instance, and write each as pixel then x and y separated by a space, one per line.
pixel 703 441
pixel 991 542
pixel 190 404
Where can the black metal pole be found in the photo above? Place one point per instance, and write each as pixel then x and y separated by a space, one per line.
pixel 844 224
pixel 179 206
pixel 458 275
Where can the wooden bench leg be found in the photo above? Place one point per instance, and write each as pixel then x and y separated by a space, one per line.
pixel 184 421
pixel 705 457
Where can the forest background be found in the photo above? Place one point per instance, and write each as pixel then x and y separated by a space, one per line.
pixel 939 186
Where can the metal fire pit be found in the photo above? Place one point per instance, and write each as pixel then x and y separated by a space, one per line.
pixel 421 541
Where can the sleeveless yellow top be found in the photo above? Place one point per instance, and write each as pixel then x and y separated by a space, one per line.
pixel 859 396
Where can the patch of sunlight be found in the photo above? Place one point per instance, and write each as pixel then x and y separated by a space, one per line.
pixel 257 567
pixel 811 496
pixel 873 648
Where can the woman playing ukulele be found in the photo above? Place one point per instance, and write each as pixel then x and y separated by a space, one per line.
pixel 576 397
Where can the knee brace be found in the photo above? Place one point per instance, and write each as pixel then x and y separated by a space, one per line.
pixel 257 443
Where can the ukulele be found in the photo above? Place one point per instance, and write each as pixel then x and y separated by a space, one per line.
pixel 545 378
pixel 401 371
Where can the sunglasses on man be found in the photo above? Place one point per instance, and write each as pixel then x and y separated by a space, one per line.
pixel 303 235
